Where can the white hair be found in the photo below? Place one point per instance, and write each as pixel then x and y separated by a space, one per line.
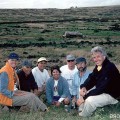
pixel 99 49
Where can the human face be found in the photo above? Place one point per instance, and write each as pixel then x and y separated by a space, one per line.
pixel 56 74
pixel 26 70
pixel 42 65
pixel 98 58
pixel 13 63
pixel 81 66
pixel 71 64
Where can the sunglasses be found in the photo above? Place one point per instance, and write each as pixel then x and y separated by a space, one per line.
pixel 70 60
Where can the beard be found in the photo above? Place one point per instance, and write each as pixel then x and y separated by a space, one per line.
pixel 82 69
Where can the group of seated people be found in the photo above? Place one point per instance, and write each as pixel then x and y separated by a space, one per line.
pixel 71 84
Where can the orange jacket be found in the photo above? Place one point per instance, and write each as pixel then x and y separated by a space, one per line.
pixel 4 100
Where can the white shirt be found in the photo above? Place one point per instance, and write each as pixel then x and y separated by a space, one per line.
pixel 56 90
pixel 40 77
pixel 68 75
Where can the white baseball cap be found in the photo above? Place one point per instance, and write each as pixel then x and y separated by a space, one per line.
pixel 42 59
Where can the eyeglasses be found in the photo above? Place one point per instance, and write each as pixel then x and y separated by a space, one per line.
pixel 70 60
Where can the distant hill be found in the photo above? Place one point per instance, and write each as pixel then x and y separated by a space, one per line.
pixel 33 33
pixel 20 15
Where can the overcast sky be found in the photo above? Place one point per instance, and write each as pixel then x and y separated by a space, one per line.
pixel 55 3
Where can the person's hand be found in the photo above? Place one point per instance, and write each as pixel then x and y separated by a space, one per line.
pixel 80 101
pixel 74 99
pixel 36 92
pixel 40 89
pixel 83 92
pixel 19 93
pixel 53 102
pixel 57 104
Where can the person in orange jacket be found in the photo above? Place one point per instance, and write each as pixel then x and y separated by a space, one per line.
pixel 11 97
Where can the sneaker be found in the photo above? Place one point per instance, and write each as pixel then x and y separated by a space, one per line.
pixel 80 114
pixel 46 110
pixel 66 108
pixel 5 108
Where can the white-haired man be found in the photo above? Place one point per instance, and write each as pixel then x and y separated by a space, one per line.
pixel 106 79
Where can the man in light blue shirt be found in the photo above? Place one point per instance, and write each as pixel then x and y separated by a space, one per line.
pixel 79 77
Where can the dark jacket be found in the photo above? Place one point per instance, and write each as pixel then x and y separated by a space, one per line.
pixel 27 83
pixel 107 80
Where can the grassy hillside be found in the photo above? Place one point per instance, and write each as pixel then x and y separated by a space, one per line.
pixel 33 33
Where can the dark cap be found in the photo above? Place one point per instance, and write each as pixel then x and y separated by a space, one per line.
pixel 13 56
pixel 70 57
pixel 27 63
pixel 80 59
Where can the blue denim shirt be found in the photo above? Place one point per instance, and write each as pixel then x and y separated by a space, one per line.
pixel 4 85
pixel 77 81
pixel 63 89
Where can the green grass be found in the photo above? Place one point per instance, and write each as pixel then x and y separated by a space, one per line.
pixel 55 113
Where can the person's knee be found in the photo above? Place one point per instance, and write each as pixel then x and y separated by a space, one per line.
pixel 31 95
pixel 89 100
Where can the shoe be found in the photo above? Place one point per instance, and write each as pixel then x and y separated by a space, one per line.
pixel 66 108
pixel 46 110
pixel 80 114
pixel 5 108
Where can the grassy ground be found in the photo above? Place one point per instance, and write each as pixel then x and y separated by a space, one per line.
pixel 110 112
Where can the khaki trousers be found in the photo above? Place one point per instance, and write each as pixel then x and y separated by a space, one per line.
pixel 92 102
pixel 30 100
